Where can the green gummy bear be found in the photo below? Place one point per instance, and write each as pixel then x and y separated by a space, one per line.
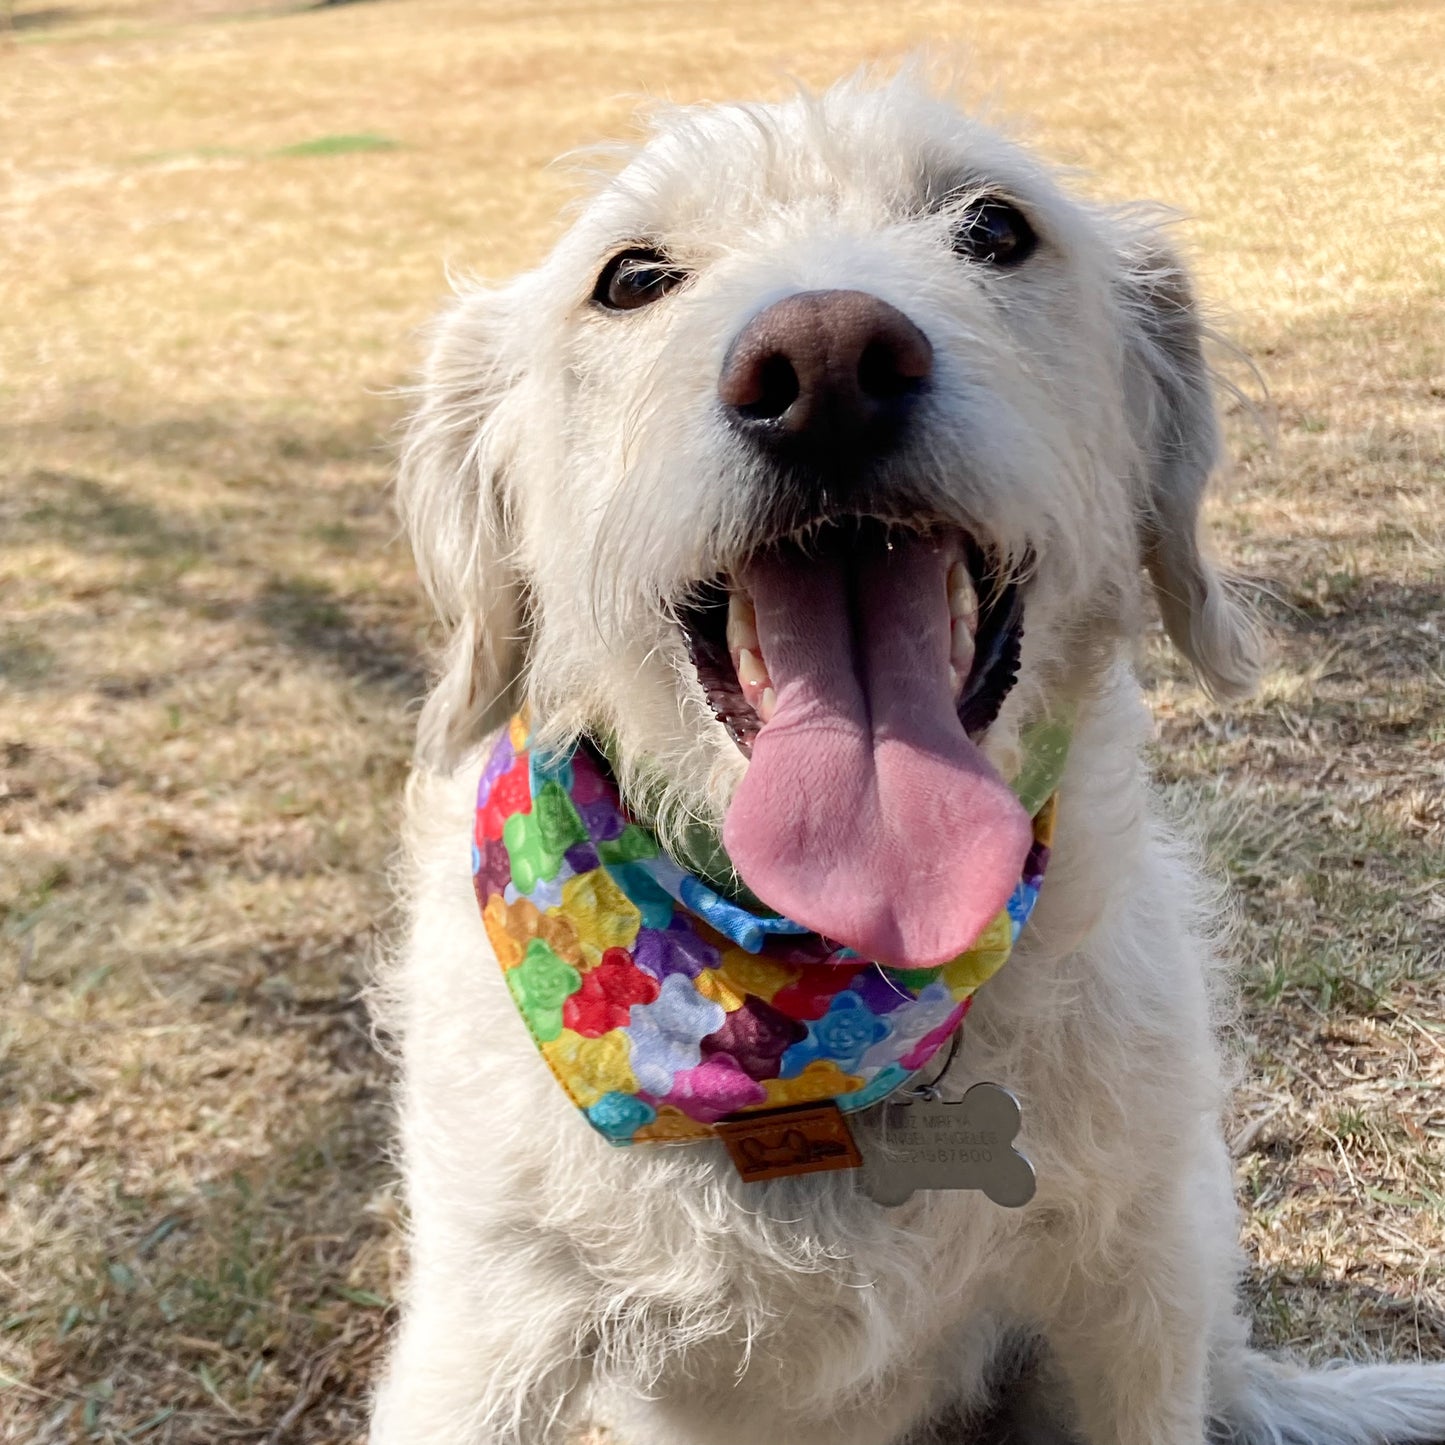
pixel 1046 750
pixel 630 846
pixel 914 979
pixel 560 823
pixel 541 984
pixel 532 859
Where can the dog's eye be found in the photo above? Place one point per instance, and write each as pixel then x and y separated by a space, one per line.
pixel 636 278
pixel 996 231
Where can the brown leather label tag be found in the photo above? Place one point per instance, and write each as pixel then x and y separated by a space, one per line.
pixel 802 1140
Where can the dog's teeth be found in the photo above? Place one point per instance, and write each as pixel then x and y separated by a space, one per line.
pixel 751 672
pixel 962 599
pixel 742 623
pixel 960 650
pixel 753 676
pixel 767 704
pixel 962 624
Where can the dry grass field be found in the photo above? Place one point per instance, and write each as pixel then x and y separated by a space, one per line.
pixel 220 226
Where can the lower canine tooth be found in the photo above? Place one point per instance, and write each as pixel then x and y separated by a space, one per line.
pixel 753 676
pixel 767 704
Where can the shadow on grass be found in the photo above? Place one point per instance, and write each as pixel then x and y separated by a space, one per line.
pixel 237 447
pixel 88 515
pixel 307 617
pixel 44 19
pixel 305 614
pixel 253 1304
pixel 39 25
pixel 1287 1303
pixel 1390 631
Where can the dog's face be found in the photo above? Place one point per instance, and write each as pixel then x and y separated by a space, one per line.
pixel 823 452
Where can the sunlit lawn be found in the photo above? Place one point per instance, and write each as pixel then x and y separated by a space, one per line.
pixel 219 232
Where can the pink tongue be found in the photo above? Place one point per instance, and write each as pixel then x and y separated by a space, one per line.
pixel 866 814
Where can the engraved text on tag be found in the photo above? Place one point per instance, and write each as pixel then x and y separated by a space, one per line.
pixel 937 1145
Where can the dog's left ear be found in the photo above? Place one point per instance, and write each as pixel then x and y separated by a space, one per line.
pixel 1171 394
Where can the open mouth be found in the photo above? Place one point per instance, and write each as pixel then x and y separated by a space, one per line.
pixel 985 611
pixel 857 669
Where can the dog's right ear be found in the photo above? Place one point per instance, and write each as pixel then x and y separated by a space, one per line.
pixel 1178 435
pixel 452 495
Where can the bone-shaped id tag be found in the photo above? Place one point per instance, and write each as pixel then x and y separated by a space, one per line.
pixel 928 1144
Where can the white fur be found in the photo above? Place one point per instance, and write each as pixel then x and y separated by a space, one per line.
pixel 567 477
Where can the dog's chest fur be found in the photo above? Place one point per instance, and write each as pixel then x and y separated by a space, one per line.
pixel 672 1268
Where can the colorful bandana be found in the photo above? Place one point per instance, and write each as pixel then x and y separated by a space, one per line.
pixel 662 1006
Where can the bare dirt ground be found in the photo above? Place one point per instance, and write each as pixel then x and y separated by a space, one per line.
pixel 219 229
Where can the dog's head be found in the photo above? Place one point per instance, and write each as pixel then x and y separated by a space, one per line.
pixel 824 452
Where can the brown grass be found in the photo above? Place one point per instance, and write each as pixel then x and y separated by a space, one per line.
pixel 209 635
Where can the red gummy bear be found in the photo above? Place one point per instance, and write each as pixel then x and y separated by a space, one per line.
pixel 604 1002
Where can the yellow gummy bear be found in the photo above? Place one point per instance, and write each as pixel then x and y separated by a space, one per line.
pixel 1044 822
pixel 603 915
pixel 748 974
pixel 671 1126
pixel 590 1068
pixel 969 970
pixel 715 985
pixel 822 1079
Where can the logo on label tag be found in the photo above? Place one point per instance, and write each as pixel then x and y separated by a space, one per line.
pixel 805 1140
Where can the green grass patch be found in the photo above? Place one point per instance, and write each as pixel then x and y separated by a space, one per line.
pixel 322 145
pixel 25 661
pixel 338 145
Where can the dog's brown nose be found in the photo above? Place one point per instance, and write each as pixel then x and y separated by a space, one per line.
pixel 825 376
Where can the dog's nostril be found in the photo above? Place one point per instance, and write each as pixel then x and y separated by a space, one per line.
pixel 777 388
pixel 828 377
pixel 882 374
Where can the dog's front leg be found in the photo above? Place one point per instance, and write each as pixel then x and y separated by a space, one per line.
pixel 488 1353
pixel 1136 1377
pixel 1131 1325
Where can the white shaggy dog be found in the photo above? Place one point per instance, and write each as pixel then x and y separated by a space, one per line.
pixel 861 305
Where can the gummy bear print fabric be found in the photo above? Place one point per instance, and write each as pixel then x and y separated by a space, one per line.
pixel 662 1006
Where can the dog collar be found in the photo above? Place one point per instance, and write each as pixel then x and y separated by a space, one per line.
pixel 661 1005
